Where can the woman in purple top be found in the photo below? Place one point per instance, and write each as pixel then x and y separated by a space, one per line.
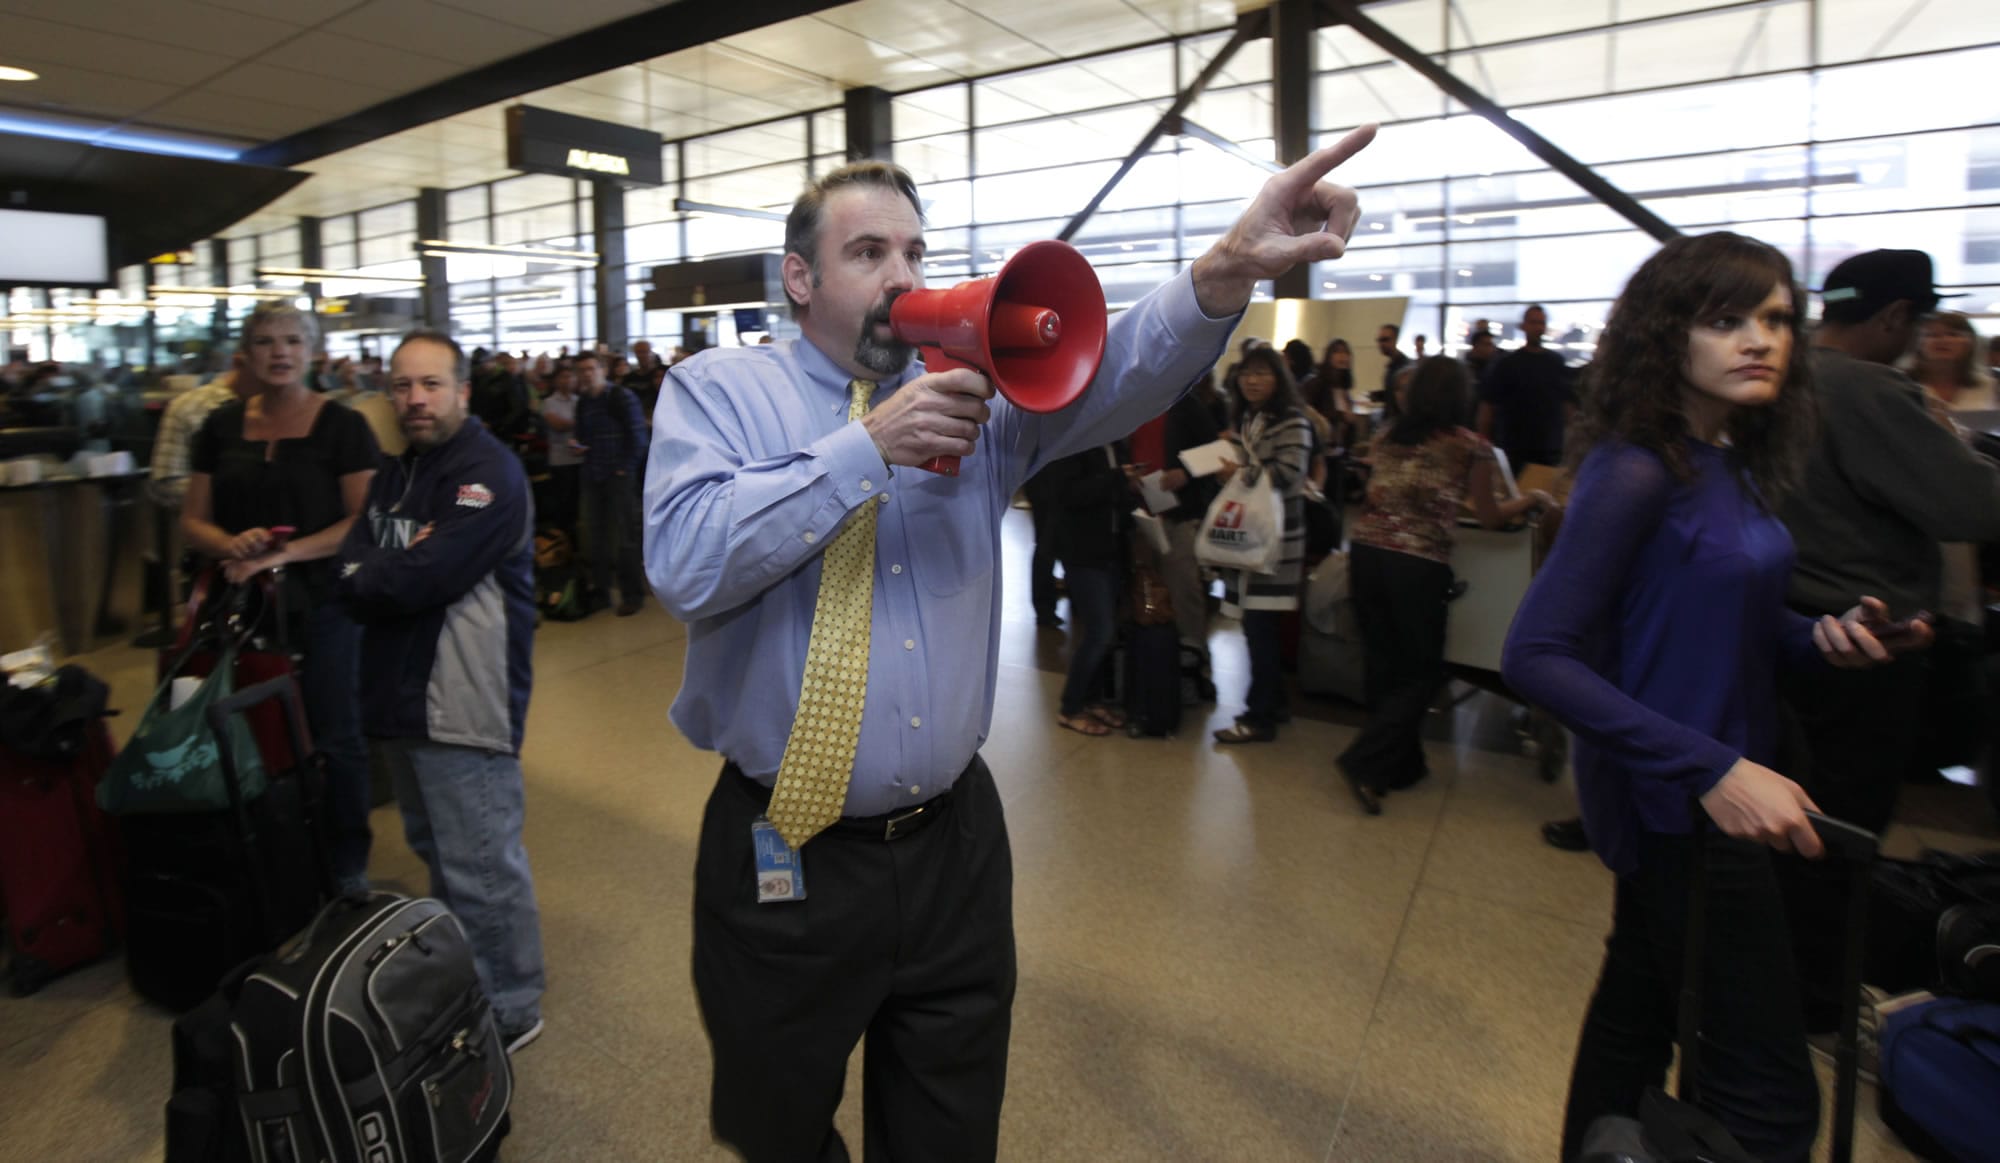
pixel 1655 631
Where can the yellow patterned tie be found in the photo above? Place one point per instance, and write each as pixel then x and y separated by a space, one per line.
pixel 819 757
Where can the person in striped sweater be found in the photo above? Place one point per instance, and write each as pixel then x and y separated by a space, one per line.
pixel 1274 443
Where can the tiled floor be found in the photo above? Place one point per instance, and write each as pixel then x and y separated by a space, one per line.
pixel 1220 958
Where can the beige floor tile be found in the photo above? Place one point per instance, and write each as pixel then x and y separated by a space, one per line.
pixel 89 1089
pixel 1468 1055
pixel 1101 1071
pixel 1489 844
pixel 1219 953
pixel 65 1000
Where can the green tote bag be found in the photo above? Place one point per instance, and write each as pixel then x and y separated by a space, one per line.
pixel 173 762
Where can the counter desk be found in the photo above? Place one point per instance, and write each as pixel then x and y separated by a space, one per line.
pixel 70 559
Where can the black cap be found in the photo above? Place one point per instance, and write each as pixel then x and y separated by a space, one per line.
pixel 1868 282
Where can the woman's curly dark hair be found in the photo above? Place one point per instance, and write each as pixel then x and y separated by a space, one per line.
pixel 1633 391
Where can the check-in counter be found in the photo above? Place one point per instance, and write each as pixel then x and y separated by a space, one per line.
pixel 71 559
pixel 1495 565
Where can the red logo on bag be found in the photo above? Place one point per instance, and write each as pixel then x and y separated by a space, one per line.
pixel 1231 516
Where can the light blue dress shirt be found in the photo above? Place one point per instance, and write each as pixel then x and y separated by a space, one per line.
pixel 755 466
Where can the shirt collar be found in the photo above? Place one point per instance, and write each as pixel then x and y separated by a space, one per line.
pixel 833 379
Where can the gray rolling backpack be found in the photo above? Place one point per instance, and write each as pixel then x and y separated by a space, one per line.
pixel 366 1039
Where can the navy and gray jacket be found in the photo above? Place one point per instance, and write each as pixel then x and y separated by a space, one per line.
pixel 448 623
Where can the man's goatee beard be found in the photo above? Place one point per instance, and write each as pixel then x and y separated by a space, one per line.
pixel 883 357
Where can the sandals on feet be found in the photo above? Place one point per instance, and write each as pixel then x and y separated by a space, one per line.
pixel 1243 732
pixel 1084 724
pixel 1111 718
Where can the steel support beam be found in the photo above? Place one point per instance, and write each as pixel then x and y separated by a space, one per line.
pixel 870 131
pixel 1627 206
pixel 1249 27
pixel 311 256
pixel 607 229
pixel 1185 128
pixel 1293 65
pixel 434 299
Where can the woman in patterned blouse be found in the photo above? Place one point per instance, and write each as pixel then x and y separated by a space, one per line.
pixel 1423 469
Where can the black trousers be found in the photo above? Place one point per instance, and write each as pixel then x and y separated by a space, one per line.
pixel 1850 737
pixel 1399 599
pixel 1756 1074
pixel 1042 566
pixel 564 495
pixel 611 510
pixel 908 943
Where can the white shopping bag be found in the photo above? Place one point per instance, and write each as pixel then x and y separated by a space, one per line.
pixel 1244 528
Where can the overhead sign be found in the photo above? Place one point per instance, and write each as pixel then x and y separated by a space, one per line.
pixel 543 141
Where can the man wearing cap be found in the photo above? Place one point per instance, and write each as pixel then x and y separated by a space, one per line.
pixel 1886 483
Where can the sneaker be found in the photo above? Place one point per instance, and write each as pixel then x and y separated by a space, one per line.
pixel 1876 1006
pixel 518 1040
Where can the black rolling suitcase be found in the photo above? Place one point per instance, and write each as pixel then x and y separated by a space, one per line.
pixel 205 890
pixel 1675 1130
pixel 1151 682
pixel 365 1037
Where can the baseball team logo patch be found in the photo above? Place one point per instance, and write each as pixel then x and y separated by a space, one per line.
pixel 475 496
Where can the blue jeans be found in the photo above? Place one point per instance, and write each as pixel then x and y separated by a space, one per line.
pixel 1093 600
pixel 463 810
pixel 331 687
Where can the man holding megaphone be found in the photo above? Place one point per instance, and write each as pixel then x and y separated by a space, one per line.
pixel 853 876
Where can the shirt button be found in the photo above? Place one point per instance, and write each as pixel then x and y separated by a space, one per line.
pixel 895 569
pixel 811 537
pixel 866 484
pixel 916 721
pixel 909 644
pixel 884 498
pixel 916 789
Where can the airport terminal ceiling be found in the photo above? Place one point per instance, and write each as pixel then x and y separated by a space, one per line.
pixel 1825 126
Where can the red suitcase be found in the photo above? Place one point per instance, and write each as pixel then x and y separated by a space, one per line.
pixel 60 863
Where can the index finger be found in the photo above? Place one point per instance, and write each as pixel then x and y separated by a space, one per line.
pixel 1308 170
pixel 963 381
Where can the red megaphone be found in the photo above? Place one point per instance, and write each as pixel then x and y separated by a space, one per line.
pixel 1036 329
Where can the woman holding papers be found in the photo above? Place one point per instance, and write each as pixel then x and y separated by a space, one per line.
pixel 1424 468
pixel 1273 443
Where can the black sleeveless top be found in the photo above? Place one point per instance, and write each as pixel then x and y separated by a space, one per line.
pixel 299 486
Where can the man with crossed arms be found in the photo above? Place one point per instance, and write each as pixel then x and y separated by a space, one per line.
pixel 843 612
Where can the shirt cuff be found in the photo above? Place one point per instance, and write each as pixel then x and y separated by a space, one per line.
pixel 1183 314
pixel 853 464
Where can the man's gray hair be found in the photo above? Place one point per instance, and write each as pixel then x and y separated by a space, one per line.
pixel 803 223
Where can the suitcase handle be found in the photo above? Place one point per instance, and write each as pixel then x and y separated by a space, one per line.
pixel 1848 841
pixel 285 689
pixel 1858 847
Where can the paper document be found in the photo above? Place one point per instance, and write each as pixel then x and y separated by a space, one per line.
pixel 1152 529
pixel 1157 499
pixel 1206 460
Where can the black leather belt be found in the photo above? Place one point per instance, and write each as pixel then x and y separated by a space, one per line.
pixel 886 826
